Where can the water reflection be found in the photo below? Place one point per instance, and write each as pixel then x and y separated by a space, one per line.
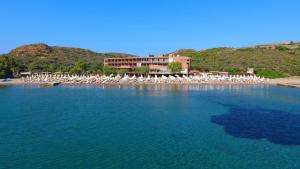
pixel 182 87
pixel 167 90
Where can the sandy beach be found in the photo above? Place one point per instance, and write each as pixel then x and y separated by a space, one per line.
pixel 13 82
pixel 289 81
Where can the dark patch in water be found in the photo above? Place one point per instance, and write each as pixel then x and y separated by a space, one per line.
pixel 278 127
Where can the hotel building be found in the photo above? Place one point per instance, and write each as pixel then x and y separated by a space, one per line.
pixel 156 64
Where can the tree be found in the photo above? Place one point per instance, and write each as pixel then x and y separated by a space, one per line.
pixel 5 67
pixel 109 70
pixel 65 68
pixel 79 67
pixel 38 66
pixel 175 67
pixel 95 67
pixel 16 67
pixel 142 70
pixel 122 72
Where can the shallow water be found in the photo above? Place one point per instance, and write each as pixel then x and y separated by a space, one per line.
pixel 188 127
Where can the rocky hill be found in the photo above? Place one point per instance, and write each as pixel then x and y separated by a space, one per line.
pixel 42 58
pixel 31 50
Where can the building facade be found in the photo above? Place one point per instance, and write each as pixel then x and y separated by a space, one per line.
pixel 156 64
pixel 289 45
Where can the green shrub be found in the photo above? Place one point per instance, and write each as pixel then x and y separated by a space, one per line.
pixel 195 66
pixel 175 67
pixel 95 67
pixel 79 67
pixel 234 71
pixel 245 49
pixel 142 70
pixel 282 48
pixel 206 69
pixel 109 70
pixel 269 73
pixel 122 72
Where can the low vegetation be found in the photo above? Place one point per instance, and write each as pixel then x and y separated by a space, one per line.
pixel 109 70
pixel 271 73
pixel 142 70
pixel 175 67
pixel 272 63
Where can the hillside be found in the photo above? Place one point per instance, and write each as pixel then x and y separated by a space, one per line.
pixel 270 62
pixel 43 58
pixel 275 60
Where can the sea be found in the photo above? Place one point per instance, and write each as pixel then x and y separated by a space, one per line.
pixel 150 127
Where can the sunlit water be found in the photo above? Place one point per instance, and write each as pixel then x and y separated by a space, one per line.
pixel 154 127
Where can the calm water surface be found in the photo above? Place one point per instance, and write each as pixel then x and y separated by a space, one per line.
pixel 150 127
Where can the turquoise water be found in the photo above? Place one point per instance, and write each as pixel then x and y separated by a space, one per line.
pixel 150 127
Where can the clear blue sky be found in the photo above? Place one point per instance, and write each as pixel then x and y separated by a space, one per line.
pixel 147 26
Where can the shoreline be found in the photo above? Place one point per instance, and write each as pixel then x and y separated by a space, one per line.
pixel 20 82
pixel 293 81
pixel 287 82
